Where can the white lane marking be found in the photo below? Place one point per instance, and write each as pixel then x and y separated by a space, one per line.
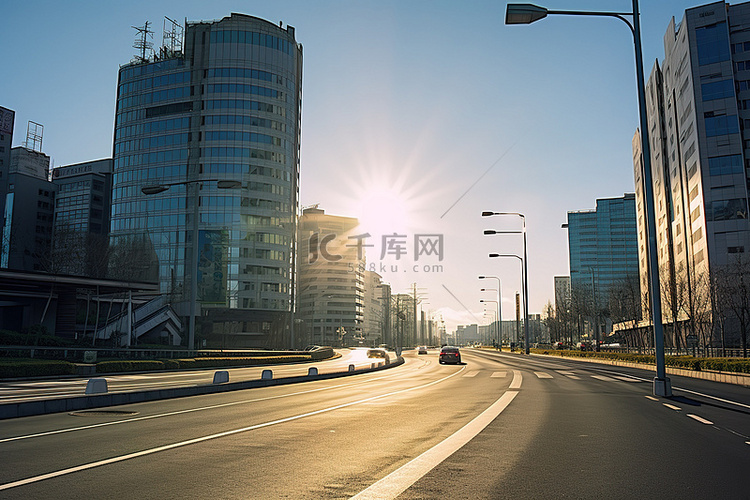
pixel 542 374
pixel 603 378
pixel 517 379
pixel 574 377
pixel 402 478
pixel 498 374
pixel 201 439
pixel 471 374
pixel 672 407
pixel 627 379
pixel 652 398
pixel 191 410
pixel 728 401
pixel 562 372
pixel 700 419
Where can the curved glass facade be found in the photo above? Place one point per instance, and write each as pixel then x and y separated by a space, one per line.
pixel 228 109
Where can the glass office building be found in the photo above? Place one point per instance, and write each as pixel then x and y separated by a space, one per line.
pixel 218 125
pixel 603 246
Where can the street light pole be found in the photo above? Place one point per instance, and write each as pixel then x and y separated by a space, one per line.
pixel 499 304
pixel 525 271
pixel 524 286
pixel 526 14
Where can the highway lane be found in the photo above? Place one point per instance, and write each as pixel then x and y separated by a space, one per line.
pixel 563 430
pixel 365 426
pixel 31 390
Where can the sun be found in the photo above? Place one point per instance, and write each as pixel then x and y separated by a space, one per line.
pixel 383 211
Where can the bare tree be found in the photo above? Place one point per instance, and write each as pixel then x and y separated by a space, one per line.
pixel 735 281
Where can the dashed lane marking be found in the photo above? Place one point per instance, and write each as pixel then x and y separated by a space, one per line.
pixel 542 374
pixel 672 407
pixel 603 378
pixel 700 419
pixel 498 374
pixel 652 398
pixel 471 374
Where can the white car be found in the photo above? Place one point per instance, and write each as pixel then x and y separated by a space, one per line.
pixel 422 349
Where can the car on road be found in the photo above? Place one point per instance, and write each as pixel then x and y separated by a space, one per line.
pixel 422 349
pixel 450 354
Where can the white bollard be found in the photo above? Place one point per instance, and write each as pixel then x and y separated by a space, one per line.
pixel 96 386
pixel 312 371
pixel 221 377
pixel 351 368
pixel 266 375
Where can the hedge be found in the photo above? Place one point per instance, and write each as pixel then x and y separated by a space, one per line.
pixel 128 366
pixel 34 368
pixel 685 362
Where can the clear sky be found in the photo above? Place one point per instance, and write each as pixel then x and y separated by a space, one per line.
pixel 424 113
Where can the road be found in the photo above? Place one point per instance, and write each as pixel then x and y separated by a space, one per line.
pixel 498 426
pixel 51 388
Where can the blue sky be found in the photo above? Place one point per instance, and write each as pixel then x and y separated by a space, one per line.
pixel 415 99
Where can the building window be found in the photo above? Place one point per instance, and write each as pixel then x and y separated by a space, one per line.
pixel 721 125
pixel 713 43
pixel 727 209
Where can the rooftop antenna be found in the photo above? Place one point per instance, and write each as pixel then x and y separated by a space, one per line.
pixel 141 41
pixel 34 133
pixel 172 35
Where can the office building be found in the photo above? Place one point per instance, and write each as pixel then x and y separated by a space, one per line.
pixel 206 170
pixel 29 205
pixel 698 102
pixel 331 284
pixel 81 218
pixel 603 254
pixel 373 314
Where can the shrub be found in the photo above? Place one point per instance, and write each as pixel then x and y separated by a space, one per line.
pixel 128 366
pixel 34 368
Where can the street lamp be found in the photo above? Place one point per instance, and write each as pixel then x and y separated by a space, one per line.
pixel 524 287
pixel 525 270
pixel 499 303
pixel 496 307
pixel 527 13
pixel 160 188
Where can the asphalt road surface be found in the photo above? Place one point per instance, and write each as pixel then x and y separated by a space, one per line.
pixel 498 426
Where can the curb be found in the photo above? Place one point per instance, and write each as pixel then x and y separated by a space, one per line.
pixel 710 375
pixel 29 408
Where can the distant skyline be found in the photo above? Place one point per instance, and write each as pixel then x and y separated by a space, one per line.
pixel 435 110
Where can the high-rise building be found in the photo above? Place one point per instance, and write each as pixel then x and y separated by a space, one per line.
pixel 212 133
pixel 602 251
pixel 29 203
pixel 698 103
pixel 331 284
pixel 81 219
pixel 374 306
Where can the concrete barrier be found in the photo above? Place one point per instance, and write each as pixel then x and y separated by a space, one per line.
pixel 266 375
pixel 312 371
pixel 96 386
pixel 88 401
pixel 221 377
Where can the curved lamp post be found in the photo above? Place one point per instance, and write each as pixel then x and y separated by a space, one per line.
pixel 526 14
pixel 160 188
pixel 499 302
pixel 525 269
pixel 524 288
